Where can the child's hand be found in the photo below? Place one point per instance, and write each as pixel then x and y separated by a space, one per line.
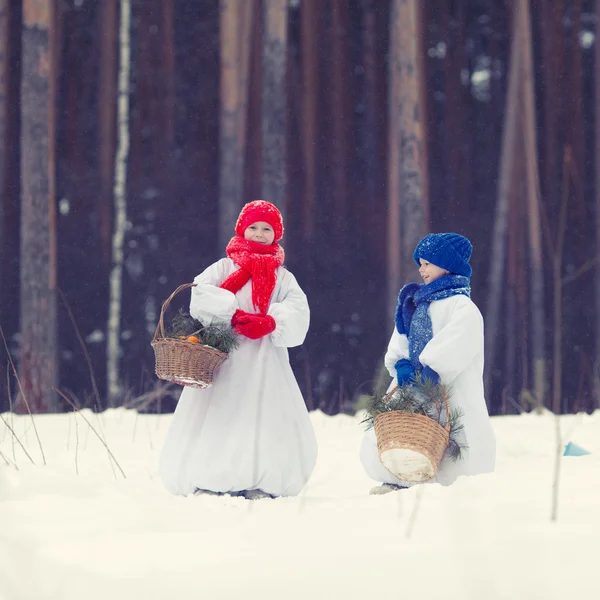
pixel 254 326
pixel 404 371
pixel 429 373
pixel 240 317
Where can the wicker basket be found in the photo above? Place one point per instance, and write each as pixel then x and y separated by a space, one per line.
pixel 411 446
pixel 181 362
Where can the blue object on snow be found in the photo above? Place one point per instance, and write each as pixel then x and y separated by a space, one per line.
pixel 572 449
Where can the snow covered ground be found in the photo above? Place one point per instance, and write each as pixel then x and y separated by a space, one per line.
pixel 77 528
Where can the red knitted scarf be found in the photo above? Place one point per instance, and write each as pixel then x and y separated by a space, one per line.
pixel 257 262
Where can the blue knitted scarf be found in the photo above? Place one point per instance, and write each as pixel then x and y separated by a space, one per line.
pixel 412 314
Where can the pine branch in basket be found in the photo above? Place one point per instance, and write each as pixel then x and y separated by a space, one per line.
pixel 183 324
pixel 218 334
pixel 456 445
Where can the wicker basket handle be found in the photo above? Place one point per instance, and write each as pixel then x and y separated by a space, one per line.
pixel 446 402
pixel 161 326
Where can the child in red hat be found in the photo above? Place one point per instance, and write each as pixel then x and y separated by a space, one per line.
pixel 250 433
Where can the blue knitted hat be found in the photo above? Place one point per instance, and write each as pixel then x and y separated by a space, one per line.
pixel 450 251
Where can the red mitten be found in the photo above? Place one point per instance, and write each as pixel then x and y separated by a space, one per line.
pixel 256 327
pixel 239 317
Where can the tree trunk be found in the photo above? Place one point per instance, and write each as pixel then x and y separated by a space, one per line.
pixel 4 67
pixel 113 351
pixel 518 335
pixel 274 103
pixel 454 62
pixel 507 165
pixel 369 99
pixel 551 88
pixel 10 191
pixel 340 98
pixel 168 27
pixel 533 204
pixel 371 135
pixel 309 40
pixel 406 204
pixel 38 339
pixel 394 259
pixel 576 129
pixel 523 284
pixel 513 290
pixel 423 16
pixel 236 25
pixel 466 115
pixel 597 190
pixel 252 179
pixel 107 108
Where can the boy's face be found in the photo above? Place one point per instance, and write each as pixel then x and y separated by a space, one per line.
pixel 430 272
pixel 260 232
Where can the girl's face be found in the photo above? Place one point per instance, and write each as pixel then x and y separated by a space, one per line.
pixel 260 232
pixel 430 272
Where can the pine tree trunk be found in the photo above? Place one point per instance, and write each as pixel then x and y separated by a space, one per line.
pixel 597 190
pixel 422 19
pixel 452 101
pixel 550 90
pixel 533 205
pixel 579 227
pixel 38 326
pixel 4 198
pixel 465 117
pixel 394 259
pixel 576 127
pixel 4 67
pixel 517 251
pixel 309 24
pixel 168 27
pixel 107 108
pixel 253 151
pixel 236 25
pixel 507 166
pixel 274 103
pixel 406 204
pixel 369 99
pixel 523 282
pixel 113 351
pixel 10 191
pixel 340 98
pixel 371 132
pixel 513 291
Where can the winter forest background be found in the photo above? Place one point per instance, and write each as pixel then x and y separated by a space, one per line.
pixel 131 133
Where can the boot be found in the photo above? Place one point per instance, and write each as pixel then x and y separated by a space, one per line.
pixel 386 488
pixel 256 495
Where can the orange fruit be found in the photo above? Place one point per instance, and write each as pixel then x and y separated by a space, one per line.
pixel 192 338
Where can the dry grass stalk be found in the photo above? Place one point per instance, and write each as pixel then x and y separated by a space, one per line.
pixel 111 455
pixel 10 408
pixel 162 390
pixel 8 462
pixel 16 438
pixel 12 364
pixel 84 349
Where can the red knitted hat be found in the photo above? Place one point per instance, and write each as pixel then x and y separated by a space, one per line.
pixel 260 210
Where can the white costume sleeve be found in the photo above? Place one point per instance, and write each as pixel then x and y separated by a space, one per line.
pixel 208 300
pixel 291 314
pixel 397 350
pixel 455 346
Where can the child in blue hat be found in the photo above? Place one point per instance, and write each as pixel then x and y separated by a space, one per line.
pixel 438 334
